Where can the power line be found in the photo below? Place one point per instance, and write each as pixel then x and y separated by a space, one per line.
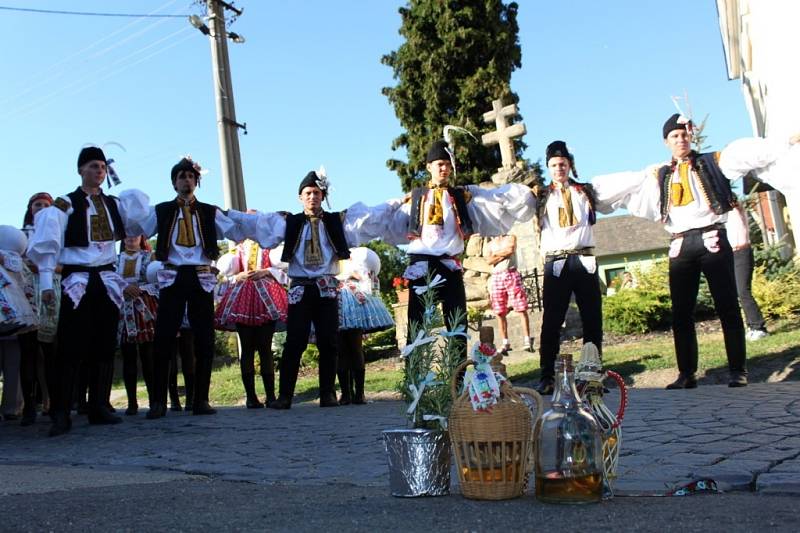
pixel 86 13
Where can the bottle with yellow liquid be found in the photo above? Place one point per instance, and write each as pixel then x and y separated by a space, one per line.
pixel 569 445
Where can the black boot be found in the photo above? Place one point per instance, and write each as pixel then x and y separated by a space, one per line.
pixel 189 385
pixel 268 378
pixel 202 383
pixel 345 383
pixel 130 376
pixel 358 382
pixel 684 381
pixel 99 390
pixel 158 396
pixel 249 382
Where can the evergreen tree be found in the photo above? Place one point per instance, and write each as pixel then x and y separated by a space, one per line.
pixel 457 58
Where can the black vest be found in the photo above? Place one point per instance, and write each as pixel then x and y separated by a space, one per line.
pixel 459 195
pixel 167 217
pixel 77 231
pixel 332 222
pixel 584 189
pixel 713 183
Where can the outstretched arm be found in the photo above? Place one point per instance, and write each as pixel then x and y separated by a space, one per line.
pixel 137 213
pixel 495 211
pixel 44 246
pixel 268 229
pixel 635 191
pixel 387 221
pixel 775 161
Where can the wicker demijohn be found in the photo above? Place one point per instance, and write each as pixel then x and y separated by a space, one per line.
pixel 493 449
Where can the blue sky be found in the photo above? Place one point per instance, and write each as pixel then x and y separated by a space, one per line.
pixel 307 82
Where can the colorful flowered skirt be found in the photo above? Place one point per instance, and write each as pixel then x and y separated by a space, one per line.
pixel 137 322
pixel 251 303
pixel 48 314
pixel 17 315
pixel 363 311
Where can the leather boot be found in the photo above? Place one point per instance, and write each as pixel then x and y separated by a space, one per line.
pixel 345 384
pixel 249 382
pixel 99 380
pixel 282 402
pixel 684 381
pixel 202 382
pixel 358 382
pixel 158 396
pixel 268 378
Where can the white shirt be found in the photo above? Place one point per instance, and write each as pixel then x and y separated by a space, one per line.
pixel 554 237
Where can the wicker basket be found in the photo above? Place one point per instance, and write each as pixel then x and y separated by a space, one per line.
pixel 493 450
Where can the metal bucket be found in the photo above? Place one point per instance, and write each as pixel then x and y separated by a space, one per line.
pixel 419 462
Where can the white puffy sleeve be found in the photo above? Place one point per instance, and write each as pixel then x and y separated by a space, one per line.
pixel 227 227
pixel 363 224
pixel 137 213
pixel 44 246
pixel 268 229
pixel 774 161
pixel 228 264
pixel 495 211
pixel 635 191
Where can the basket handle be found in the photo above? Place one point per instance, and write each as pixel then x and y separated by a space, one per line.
pixel 623 396
pixel 459 372
pixel 537 398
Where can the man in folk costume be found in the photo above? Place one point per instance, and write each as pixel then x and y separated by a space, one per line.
pixel 314 242
pixel 80 232
pixel 438 218
pixel 566 217
pixel 188 231
pixel 691 195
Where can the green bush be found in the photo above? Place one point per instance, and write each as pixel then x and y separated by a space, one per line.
pixel 635 311
pixel 310 358
pixel 778 295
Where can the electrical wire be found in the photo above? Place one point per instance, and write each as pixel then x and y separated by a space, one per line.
pixel 87 13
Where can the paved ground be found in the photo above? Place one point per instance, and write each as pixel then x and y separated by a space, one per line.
pixel 747 439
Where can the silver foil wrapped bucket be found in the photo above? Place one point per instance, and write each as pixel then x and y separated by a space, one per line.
pixel 419 462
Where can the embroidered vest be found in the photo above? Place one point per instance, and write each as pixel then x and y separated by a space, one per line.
pixel 332 222
pixel 77 230
pixel 714 186
pixel 167 217
pixel 584 189
pixel 416 216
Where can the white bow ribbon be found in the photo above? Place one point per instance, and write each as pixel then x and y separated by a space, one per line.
pixel 460 331
pixel 435 282
pixel 416 391
pixel 421 340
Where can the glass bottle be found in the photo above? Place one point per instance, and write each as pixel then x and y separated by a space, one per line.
pixel 569 446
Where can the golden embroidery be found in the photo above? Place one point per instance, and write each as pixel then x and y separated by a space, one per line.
pixel 566 215
pixel 100 225
pixel 186 235
pixel 681 191
pixel 312 254
pixel 435 211
pixel 253 257
pixel 129 268
pixel 62 204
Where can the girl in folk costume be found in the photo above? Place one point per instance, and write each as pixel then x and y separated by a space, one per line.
pixel 138 316
pixel 35 344
pixel 252 304
pixel 361 310
pixel 17 315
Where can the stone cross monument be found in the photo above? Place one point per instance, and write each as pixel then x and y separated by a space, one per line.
pixel 503 136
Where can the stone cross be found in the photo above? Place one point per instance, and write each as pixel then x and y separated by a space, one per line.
pixel 505 132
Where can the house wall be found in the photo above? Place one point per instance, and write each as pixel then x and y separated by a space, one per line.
pixel 607 264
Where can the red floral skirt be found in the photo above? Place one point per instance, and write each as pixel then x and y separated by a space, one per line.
pixel 251 303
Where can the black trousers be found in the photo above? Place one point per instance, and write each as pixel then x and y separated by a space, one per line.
pixel 324 313
pixel 350 367
pixel 185 295
pixel 556 295
pixel 87 334
pixel 684 282
pixel 451 294
pixel 743 263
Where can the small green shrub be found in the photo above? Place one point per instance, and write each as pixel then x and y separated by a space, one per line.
pixel 635 311
pixel 778 295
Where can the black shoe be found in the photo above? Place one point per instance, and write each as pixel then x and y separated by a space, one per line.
pixel 684 381
pixel 505 349
pixel 132 410
pixel 529 347
pixel 254 403
pixel 10 417
pixel 738 379
pixel 344 400
pixel 102 416
pixel 110 407
pixel 203 409
pixel 281 403
pixel 545 387
pixel 328 400
pixel 60 426
pixel 157 410
pixel 175 407
pixel 359 400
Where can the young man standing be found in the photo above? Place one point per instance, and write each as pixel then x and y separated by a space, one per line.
pixel 505 283
pixel 80 232
pixel 691 195
pixel 188 231
pixel 437 219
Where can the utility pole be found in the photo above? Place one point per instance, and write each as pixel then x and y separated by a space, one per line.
pixel 227 127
